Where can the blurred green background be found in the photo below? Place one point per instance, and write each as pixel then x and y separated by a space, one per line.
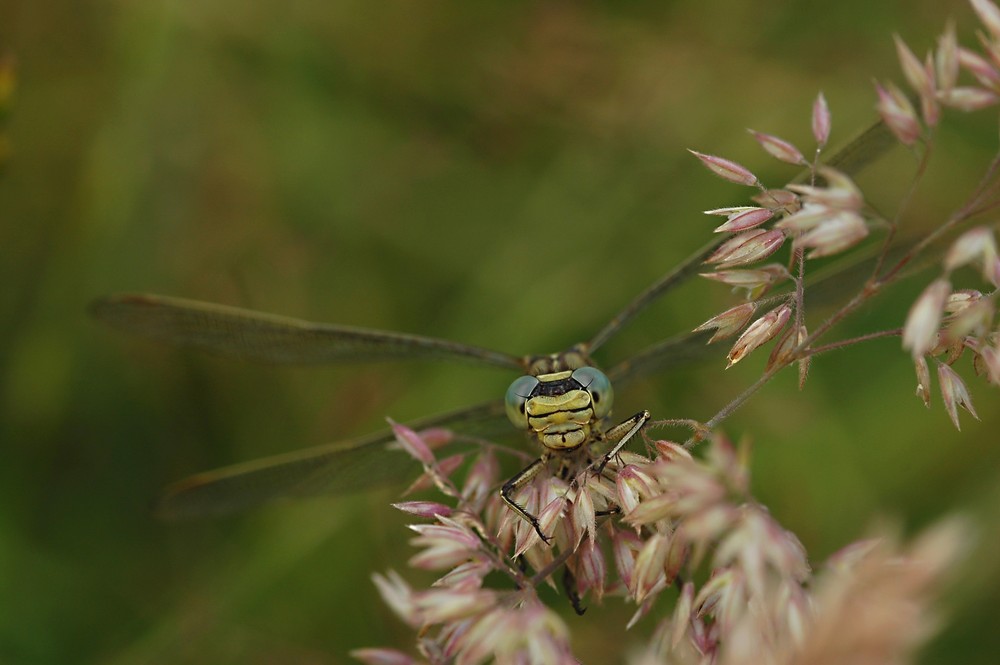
pixel 504 173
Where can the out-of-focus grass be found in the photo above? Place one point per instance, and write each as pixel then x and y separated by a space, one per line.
pixel 503 174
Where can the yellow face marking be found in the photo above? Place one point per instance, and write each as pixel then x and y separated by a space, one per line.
pixel 560 402
pixel 561 422
pixel 543 405
pixel 554 376
pixel 565 440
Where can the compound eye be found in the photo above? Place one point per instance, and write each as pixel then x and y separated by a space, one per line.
pixel 517 396
pixel 598 385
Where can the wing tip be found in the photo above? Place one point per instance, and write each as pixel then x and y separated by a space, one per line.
pixel 102 306
pixel 179 502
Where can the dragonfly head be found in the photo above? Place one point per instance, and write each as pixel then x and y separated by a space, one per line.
pixel 560 408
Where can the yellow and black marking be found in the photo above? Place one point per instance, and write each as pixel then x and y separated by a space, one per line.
pixel 564 404
pixel 560 412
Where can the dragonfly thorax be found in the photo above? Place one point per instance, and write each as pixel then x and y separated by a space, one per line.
pixel 573 358
pixel 560 408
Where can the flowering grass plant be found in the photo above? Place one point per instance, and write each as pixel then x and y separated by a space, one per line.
pixel 681 536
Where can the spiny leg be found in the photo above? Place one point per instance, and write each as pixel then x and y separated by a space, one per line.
pixel 521 479
pixel 620 435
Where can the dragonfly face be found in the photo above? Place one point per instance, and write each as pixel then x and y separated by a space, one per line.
pixel 561 409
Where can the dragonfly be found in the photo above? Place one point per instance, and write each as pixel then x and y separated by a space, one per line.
pixel 562 400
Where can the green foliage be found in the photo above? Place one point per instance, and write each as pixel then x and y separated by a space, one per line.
pixel 445 169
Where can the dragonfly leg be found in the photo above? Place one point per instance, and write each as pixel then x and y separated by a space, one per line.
pixel 522 478
pixel 569 586
pixel 620 435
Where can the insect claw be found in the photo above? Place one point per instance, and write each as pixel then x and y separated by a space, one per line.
pixel 569 585
pixel 600 467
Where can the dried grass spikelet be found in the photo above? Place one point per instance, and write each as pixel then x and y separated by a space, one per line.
pixel 873 605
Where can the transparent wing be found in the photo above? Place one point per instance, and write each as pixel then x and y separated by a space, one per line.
pixel 824 288
pixel 861 151
pixel 672 352
pixel 674 278
pixel 248 335
pixel 361 463
pixel 347 466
